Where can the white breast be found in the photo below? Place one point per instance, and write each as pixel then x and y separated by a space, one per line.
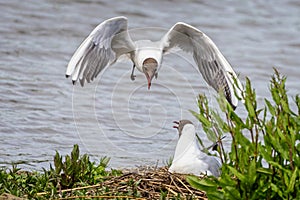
pixel 147 49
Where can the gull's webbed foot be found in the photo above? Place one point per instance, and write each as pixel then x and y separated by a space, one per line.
pixel 132 77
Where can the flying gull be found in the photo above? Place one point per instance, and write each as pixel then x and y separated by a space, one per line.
pixel 110 40
pixel 188 157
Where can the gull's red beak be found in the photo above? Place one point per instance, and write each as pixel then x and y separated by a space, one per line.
pixel 148 79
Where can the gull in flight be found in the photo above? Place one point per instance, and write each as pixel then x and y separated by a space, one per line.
pixel 111 39
pixel 188 157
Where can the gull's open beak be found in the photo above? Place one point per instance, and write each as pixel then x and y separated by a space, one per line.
pixel 176 122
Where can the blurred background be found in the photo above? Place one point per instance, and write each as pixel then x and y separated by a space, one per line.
pixel 41 111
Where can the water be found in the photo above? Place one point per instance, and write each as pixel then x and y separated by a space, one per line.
pixel 42 112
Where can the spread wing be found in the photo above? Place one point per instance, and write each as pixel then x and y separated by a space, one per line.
pixel 102 47
pixel 213 66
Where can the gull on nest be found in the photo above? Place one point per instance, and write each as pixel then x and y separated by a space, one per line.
pixel 188 157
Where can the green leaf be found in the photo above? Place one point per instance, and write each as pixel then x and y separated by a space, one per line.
pixel 270 107
pixel 285 106
pixel 215 195
pixel 265 171
pixel 201 143
pixel 75 153
pixel 237 174
pixel 235 118
pixel 297 101
pixel 252 172
pixel 277 190
pixel 204 120
pixel 219 121
pixel 203 184
pixel 250 108
pixel 57 163
pixel 293 180
pixel 232 193
pixel 104 161
pixel 211 135
pixel 277 165
pixel 194 113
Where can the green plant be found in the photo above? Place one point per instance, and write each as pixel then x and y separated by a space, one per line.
pixel 264 159
pixel 77 170
pixel 74 170
pixel 21 183
pixel 168 162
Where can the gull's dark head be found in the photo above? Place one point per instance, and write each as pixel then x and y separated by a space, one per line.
pixel 180 124
pixel 150 68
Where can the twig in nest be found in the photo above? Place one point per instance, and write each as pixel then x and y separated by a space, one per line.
pixel 172 180
pixel 184 185
pixel 170 190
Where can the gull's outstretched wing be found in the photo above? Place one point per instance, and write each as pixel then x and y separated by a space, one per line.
pixel 213 66
pixel 102 47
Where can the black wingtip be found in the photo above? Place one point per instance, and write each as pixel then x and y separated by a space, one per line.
pixel 228 97
pixel 233 106
pixel 73 82
pixel 67 76
pixel 216 144
pixel 215 147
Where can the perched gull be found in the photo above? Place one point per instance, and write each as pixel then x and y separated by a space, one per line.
pixel 110 40
pixel 188 157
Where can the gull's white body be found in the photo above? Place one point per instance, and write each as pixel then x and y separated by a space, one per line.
pixel 145 49
pixel 110 40
pixel 189 159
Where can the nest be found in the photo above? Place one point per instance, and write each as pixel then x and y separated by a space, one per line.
pixel 140 183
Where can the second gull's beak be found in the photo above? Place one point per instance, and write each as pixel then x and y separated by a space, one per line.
pixel 175 125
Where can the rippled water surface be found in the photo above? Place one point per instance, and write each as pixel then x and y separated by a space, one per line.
pixel 42 112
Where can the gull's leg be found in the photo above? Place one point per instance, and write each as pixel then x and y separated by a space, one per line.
pixel 132 76
pixel 156 75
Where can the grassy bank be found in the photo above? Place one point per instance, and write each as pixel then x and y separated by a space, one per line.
pixel 75 176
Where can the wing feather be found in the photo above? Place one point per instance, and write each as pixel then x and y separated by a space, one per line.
pixel 98 50
pixel 213 66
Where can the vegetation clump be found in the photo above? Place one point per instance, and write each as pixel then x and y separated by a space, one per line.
pixel 74 171
pixel 264 159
